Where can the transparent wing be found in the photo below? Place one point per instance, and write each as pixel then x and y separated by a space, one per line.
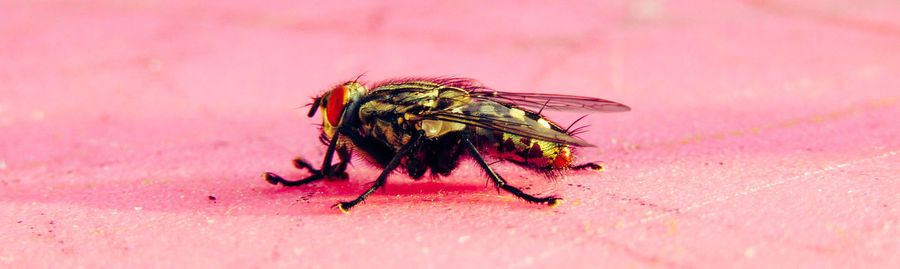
pixel 465 101
pixel 534 101
pixel 496 116
pixel 559 102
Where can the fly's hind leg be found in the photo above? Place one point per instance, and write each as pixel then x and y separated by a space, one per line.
pixel 328 171
pixel 501 183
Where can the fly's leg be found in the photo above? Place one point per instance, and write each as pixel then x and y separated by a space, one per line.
pixel 327 169
pixel 337 170
pixel 501 183
pixel 274 179
pixel 345 206
pixel 592 166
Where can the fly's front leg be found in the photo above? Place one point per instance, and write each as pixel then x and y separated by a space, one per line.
pixel 338 170
pixel 501 183
pixel 327 170
pixel 379 182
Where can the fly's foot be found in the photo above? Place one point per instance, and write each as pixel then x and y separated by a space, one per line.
pixel 344 207
pixel 551 201
pixel 301 163
pixel 592 166
pixel 274 179
pixel 554 201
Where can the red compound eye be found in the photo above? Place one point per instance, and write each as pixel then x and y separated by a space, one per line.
pixel 336 103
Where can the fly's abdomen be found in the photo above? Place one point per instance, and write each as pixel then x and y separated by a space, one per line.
pixel 528 152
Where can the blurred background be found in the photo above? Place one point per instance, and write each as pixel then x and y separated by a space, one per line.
pixel 762 133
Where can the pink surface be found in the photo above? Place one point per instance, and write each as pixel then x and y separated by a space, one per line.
pixel 763 133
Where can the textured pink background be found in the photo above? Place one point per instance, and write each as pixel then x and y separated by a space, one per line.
pixel 763 133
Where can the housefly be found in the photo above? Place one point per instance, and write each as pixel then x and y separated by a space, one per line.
pixel 423 124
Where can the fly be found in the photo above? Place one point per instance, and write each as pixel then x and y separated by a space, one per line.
pixel 428 124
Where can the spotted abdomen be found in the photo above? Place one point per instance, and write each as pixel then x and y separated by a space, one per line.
pixel 515 135
pixel 533 153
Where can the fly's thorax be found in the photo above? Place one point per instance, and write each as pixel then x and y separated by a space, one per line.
pixel 525 151
pixel 336 102
pixel 377 120
pixel 393 113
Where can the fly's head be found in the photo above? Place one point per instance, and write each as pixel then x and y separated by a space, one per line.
pixel 334 103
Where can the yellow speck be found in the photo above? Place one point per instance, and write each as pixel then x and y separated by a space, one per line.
pixel 340 206
pixel 818 118
pixel 576 203
pixel 750 252
pixel 834 115
pixel 463 239
pixel 555 203
pixel 517 113
pixel 671 227
pixel 789 123
pixel 620 224
pixel 544 123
